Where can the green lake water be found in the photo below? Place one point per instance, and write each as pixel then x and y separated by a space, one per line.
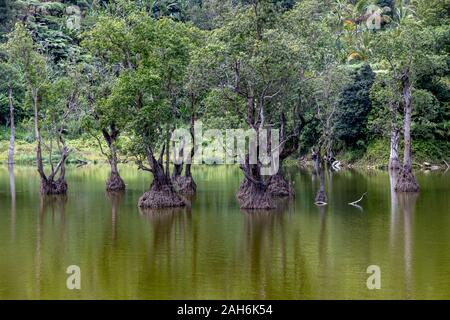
pixel 214 250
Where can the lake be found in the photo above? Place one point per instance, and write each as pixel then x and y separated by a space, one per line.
pixel 214 250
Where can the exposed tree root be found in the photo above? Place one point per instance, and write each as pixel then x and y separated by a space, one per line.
pixel 115 183
pixel 53 187
pixel 184 184
pixel 279 187
pixel 161 196
pixel 406 182
pixel 254 197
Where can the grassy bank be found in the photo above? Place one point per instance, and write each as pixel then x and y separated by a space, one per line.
pixel 85 150
pixel 377 153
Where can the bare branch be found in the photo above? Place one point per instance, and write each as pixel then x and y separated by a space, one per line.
pixel 356 202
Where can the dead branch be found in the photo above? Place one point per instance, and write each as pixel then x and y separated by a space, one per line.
pixel 354 203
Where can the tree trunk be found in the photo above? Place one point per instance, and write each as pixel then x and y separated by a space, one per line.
pixel 49 186
pixel 394 163
pixel 187 170
pixel 13 128
pixel 39 163
pixel 185 184
pixel 407 161
pixel 115 182
pixel 253 192
pixel 52 186
pixel 161 193
pixel 406 181
pixel 177 170
pixel 167 154
pixel 278 186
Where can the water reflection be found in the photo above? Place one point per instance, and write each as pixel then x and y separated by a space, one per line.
pixel 219 252
pixel 54 207
pixel 407 203
pixel 168 224
pixel 12 189
pixel 167 220
pixel 115 198
pixel 402 211
pixel 394 204
pixel 322 243
pixel 330 173
pixel 170 247
pixel 321 196
pixel 265 247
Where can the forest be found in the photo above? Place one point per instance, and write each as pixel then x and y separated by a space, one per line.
pixel 347 83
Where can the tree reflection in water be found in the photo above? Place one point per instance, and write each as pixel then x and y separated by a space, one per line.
pixel 402 211
pixel 115 198
pixel 12 189
pixel 55 206
pixel 266 252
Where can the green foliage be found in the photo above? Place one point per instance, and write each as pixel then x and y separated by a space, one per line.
pixel 146 67
pixel 8 13
pixel 11 79
pixel 354 108
pixel 151 58
pixel 23 53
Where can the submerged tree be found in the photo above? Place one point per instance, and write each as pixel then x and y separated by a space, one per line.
pixel 184 92
pixel 195 87
pixel 106 119
pixel 157 109
pixel 407 51
pixel 406 181
pixel 33 65
pixel 61 111
pixel 386 97
pixel 149 57
pixel 248 62
pixel 258 63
